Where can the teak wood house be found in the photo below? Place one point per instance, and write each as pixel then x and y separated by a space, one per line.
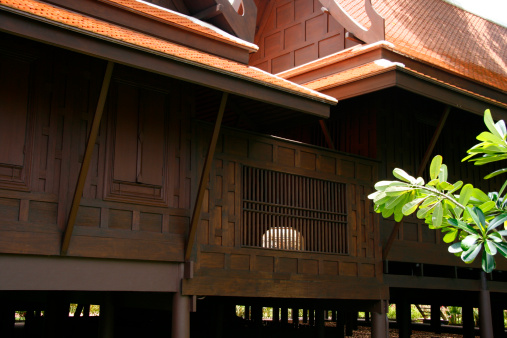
pixel 151 163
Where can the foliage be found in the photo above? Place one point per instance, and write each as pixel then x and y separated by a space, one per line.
pixel 470 218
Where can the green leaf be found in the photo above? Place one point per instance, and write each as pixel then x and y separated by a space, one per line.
pixel 422 213
pixel 500 126
pixel 488 262
pixel 463 226
pixel 454 248
pixel 393 202
pixel 495 237
pixel 442 175
pixel 469 255
pixel 433 182
pixel 488 120
pixel 477 217
pixel 485 207
pixel 465 195
pixel 397 190
pixel 402 175
pixel 480 195
pixel 490 248
pixel 387 212
pixel 436 218
pixel 429 201
pixel 450 236
pixel 502 248
pixel 469 242
pixel 435 166
pixel 382 185
pixel 485 136
pixel 503 188
pixel 503 232
pixel 456 185
pixel 495 173
pixel 498 220
pixel 411 206
pixel 445 186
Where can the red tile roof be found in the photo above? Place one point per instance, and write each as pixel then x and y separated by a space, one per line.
pixel 441 34
pixel 170 50
pixel 182 21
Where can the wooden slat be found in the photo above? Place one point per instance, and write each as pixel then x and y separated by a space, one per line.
pixel 87 158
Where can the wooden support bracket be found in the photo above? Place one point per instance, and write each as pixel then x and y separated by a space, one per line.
pixel 327 135
pixel 420 170
pixel 87 158
pixel 196 214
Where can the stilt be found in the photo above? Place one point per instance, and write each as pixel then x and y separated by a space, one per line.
pixel 403 317
pixel 305 316
pixel 349 324
pixel 435 318
pixel 333 316
pixel 467 313
pixel 6 320
pixel 86 310
pixel 319 322
pixel 247 312
pixel 284 318
pixel 106 326
pixel 311 317
pixel 485 320
pixel 56 315
pixel 181 316
pixel 367 317
pixel 379 323
pixel 498 321
pixel 276 316
pixel 295 317
pixel 257 315
pixel 340 324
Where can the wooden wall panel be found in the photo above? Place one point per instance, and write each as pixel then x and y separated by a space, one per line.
pixel 295 32
pixel 222 216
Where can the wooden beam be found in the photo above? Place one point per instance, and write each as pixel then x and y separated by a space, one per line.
pixel 327 135
pixel 196 214
pixel 87 158
pixel 209 12
pixel 420 170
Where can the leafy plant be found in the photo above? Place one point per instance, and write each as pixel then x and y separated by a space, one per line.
pixel 470 218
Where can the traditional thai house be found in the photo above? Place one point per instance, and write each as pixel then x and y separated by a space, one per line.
pixel 152 162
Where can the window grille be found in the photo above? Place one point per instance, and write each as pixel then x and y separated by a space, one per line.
pixel 290 212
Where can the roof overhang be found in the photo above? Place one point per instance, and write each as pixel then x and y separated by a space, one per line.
pixel 417 83
pixel 347 74
pixel 46 31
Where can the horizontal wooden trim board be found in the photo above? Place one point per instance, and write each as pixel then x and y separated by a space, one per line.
pixel 64 273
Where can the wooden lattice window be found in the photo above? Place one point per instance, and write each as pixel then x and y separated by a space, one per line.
pixel 290 212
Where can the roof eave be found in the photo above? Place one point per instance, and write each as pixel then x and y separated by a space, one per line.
pixel 84 42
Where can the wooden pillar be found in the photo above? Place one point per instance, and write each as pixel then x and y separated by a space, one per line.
pixel 181 316
pixel 403 317
pixel 340 324
pixel 349 324
pixel 295 317
pixel 467 313
pixel 55 315
pixel 498 320
pixel 247 312
pixel 284 318
pixel 367 317
pixel 257 314
pixel 305 316
pixel 311 317
pixel 379 322
pixel 333 315
pixel 319 322
pixel 485 320
pixel 6 320
pixel 276 316
pixel 106 326
pixel 435 318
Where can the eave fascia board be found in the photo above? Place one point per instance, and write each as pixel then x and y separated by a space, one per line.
pixel 87 43
pixel 418 84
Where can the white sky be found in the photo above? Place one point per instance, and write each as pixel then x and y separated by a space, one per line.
pixel 493 10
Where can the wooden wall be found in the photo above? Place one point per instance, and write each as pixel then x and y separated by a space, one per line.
pixel 137 194
pixel 224 267
pixel 294 32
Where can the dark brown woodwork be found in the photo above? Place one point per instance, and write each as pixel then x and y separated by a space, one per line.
pixel 209 13
pixel 422 167
pixel 161 65
pixel 87 158
pixel 485 316
pixel 196 213
pixel 327 135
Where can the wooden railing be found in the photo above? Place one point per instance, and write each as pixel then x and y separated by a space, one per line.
pixel 290 212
